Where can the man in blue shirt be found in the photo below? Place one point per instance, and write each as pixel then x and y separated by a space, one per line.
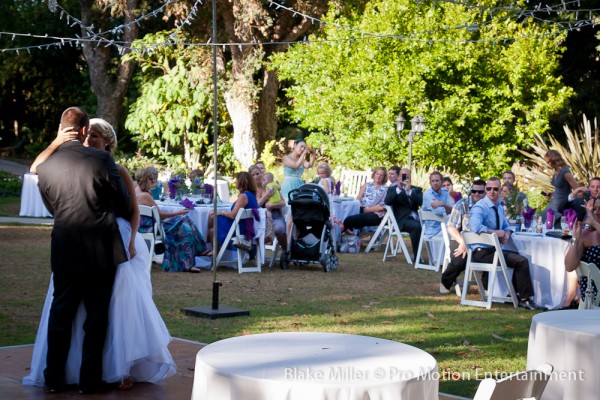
pixel 487 216
pixel 459 222
pixel 436 199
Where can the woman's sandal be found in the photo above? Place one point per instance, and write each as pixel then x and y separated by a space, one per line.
pixel 125 384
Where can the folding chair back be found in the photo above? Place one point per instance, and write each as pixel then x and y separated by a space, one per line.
pixel 522 385
pixel 446 238
pixel 234 232
pixel 476 269
pixel 157 235
pixel 390 225
pixel 591 272
pixel 353 180
pixel 435 245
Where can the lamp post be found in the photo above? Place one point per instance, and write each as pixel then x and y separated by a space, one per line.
pixel 417 125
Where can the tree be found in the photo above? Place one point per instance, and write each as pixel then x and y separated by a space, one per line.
pixel 486 85
pixel 36 84
pixel 249 87
pixel 173 114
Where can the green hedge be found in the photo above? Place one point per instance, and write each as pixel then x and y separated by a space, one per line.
pixel 10 185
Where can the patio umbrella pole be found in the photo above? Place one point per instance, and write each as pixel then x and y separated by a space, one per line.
pixel 214 311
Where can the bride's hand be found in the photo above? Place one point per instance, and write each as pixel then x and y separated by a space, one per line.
pixel 64 135
pixel 132 252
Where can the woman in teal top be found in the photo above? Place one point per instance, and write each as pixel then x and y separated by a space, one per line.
pixel 293 166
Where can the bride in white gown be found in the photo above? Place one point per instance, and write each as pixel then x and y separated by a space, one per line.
pixel 137 338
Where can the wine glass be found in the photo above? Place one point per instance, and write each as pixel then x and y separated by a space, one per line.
pixel 533 224
pixel 564 224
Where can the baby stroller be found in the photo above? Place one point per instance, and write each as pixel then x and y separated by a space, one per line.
pixel 310 233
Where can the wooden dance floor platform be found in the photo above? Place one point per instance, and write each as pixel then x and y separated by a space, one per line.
pixel 15 362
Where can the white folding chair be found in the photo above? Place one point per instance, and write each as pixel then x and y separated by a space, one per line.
pixel 274 246
pixel 234 232
pixel 388 224
pixel 157 235
pixel 435 244
pixel 446 238
pixel 353 180
pixel 524 385
pixel 592 273
pixel 476 269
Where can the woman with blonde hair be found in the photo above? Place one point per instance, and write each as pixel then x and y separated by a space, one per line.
pixel 372 204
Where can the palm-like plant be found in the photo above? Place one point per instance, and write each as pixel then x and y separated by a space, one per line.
pixel 582 156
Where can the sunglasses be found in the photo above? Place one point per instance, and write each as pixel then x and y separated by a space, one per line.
pixel 473 191
pixel 495 189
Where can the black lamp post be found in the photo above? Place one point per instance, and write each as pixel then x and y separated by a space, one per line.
pixel 418 125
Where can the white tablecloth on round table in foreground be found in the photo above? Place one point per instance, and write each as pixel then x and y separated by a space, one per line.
pixel 315 366
pixel 31 199
pixel 569 340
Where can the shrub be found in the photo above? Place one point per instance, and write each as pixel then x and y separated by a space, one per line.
pixel 10 185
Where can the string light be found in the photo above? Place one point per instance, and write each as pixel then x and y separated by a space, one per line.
pixel 519 14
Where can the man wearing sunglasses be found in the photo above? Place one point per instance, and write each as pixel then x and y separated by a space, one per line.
pixel 457 223
pixel 487 216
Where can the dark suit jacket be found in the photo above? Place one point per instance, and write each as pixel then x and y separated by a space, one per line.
pixel 82 188
pixel 401 204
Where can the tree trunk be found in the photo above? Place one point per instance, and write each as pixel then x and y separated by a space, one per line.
pixel 109 89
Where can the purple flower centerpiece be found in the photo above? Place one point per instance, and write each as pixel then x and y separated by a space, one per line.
pixel 528 215
pixel 174 183
pixel 199 185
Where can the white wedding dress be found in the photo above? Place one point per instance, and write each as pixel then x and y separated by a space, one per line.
pixel 137 339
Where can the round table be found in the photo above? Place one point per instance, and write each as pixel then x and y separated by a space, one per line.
pixel 569 340
pixel 31 199
pixel 313 365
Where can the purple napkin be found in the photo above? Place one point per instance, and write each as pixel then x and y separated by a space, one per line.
pixel 338 187
pixel 528 215
pixel 208 190
pixel 550 219
pixel 571 216
pixel 187 204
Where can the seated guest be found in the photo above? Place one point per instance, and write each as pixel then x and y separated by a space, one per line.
pixel 586 247
pixel 405 201
pixel 393 175
pixel 577 199
pixel 454 196
pixel 509 178
pixel 435 199
pixel 372 205
pixel 183 241
pixel 459 222
pixel 486 216
pixel 325 178
pixel 246 199
pixel 268 196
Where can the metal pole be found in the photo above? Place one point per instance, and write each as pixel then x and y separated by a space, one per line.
pixel 215 138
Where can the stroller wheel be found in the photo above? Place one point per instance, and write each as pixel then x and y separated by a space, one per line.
pixel 325 262
pixel 283 260
pixel 335 261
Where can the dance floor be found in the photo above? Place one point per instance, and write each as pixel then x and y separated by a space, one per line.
pixel 15 360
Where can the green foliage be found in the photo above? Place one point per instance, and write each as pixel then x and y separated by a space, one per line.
pixel 172 118
pixel 10 185
pixel 482 100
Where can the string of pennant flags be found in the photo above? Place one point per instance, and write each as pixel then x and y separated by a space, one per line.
pixel 579 17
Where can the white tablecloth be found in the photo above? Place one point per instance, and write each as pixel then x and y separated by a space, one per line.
pixel 546 257
pixel 342 209
pixel 570 341
pixel 31 200
pixel 311 365
pixel 199 214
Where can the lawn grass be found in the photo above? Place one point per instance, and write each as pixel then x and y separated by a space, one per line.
pixel 365 296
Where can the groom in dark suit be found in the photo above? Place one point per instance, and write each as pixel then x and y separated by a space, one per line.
pixel 82 188
pixel 405 200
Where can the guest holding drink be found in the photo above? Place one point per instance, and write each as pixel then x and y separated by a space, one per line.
pixel 294 165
